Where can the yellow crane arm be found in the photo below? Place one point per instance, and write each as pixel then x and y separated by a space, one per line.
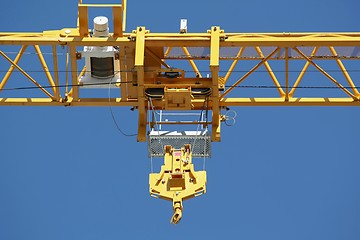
pixel 143 58
pixel 165 71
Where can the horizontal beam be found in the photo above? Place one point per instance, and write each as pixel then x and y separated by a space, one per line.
pixel 99 5
pixel 197 103
pixel 59 37
pixel 83 102
pixel 229 102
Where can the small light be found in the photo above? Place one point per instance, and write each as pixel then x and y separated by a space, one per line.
pixel 183 26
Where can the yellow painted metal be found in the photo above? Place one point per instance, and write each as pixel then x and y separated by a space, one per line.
pixel 130 71
pixel 302 73
pixel 325 73
pixel 56 74
pixel 250 72
pixel 156 58
pixel 215 93
pixel 81 74
pixel 188 40
pixel 181 72
pixel 192 63
pixel 29 102
pixel 74 74
pixel 271 73
pixel 143 55
pixel 177 180
pixel 286 74
pixel 140 46
pixel 178 123
pixel 124 7
pixel 26 74
pixel 123 75
pixel 162 82
pixel 83 20
pixel 12 67
pixel 139 66
pixel 178 98
pixel 46 69
pixel 118 17
pixel 274 102
pixel 54 41
pixel 198 104
pixel 145 66
pixel 233 65
pixel 167 52
pixel 345 72
pixel 215 45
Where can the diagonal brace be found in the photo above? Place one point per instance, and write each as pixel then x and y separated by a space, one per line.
pixel 12 67
pixel 326 74
pixel 250 72
pixel 26 74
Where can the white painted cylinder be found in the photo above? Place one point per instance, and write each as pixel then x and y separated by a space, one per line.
pixel 101 27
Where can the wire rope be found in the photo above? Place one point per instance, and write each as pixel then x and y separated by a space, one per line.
pixel 241 86
pixel 151 106
pixel 199 123
pixel 112 113
pixel 208 71
pixel 61 86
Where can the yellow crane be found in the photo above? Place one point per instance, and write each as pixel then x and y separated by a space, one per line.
pixel 144 68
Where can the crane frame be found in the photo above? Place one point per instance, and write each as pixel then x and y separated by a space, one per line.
pixel 144 58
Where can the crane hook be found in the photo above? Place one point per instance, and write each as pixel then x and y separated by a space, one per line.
pixel 177 213
pixel 177 180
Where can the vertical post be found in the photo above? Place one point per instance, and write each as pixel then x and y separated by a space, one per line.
pixel 83 20
pixel 215 95
pixel 139 67
pixel 124 15
pixel 123 74
pixel 286 74
pixel 56 73
pixel 118 18
pixel 74 73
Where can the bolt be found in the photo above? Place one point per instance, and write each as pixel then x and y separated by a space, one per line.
pixel 78 55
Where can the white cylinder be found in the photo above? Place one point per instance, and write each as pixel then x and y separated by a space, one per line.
pixel 101 28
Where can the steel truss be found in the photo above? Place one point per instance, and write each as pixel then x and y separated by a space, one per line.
pixel 146 57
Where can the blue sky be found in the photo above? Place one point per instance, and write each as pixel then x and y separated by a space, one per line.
pixel 279 173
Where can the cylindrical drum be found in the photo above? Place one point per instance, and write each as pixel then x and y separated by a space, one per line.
pixel 101 28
